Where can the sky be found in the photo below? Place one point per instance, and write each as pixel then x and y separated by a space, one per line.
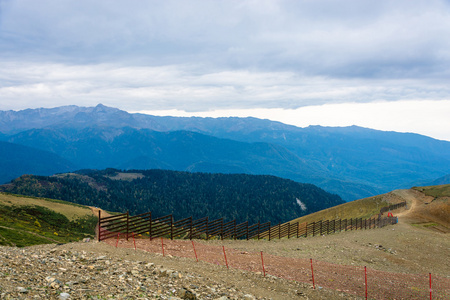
pixel 378 64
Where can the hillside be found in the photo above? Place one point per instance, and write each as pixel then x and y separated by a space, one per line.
pixel 352 162
pixel 242 197
pixel 399 260
pixel 26 221
pixel 427 207
pixel 129 148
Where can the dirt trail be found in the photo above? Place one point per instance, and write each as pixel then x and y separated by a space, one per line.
pixel 423 210
pixel 95 211
pixel 412 199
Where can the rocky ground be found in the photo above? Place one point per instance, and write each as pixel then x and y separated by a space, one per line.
pixel 92 270
pixel 95 270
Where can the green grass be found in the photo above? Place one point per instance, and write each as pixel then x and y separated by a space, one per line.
pixel 25 225
pixel 363 208
pixel 431 225
pixel 19 238
pixel 435 191
pixel 425 225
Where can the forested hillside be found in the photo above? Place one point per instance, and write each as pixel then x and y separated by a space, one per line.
pixel 242 197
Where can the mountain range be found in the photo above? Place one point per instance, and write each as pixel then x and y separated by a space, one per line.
pixel 352 162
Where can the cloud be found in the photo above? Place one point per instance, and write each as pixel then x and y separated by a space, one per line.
pixel 424 117
pixel 222 55
pixel 328 38
pixel 187 88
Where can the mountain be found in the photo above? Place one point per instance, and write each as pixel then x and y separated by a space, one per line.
pixel 353 162
pixel 16 160
pixel 439 181
pixel 66 116
pixel 129 148
pixel 253 198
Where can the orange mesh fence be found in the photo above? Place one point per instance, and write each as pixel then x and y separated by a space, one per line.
pixel 348 279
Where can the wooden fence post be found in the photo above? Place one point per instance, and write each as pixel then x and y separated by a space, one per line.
pixel 270 227
pixel 320 227
pixel 171 227
pixel 128 223
pixel 247 230
pixel 314 229
pixel 258 229
pixel 207 228
pixel 191 231
pixel 150 225
pixel 99 228
pixel 289 230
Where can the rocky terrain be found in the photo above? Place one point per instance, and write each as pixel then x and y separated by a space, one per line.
pixel 99 270
pixel 93 270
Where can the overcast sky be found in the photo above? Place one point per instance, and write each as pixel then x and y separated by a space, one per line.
pixel 378 64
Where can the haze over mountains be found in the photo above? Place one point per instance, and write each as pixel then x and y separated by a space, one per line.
pixel 352 162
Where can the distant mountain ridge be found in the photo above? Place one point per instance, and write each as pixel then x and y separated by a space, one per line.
pixel 353 162
pixel 73 116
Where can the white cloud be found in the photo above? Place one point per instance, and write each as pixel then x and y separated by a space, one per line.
pixel 187 88
pixel 332 38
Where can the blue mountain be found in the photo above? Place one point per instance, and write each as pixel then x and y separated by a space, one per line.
pixel 352 162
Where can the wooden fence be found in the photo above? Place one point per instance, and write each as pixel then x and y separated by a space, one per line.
pixel 204 228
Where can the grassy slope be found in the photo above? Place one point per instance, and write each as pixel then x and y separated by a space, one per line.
pixel 436 191
pixel 432 206
pixel 434 211
pixel 363 208
pixel 28 221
